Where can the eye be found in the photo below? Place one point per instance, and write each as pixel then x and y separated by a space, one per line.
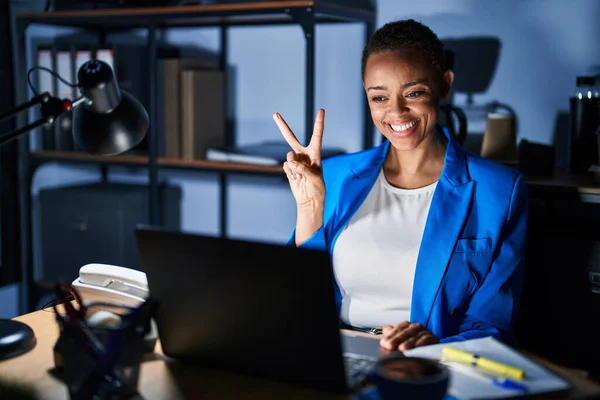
pixel 377 99
pixel 414 95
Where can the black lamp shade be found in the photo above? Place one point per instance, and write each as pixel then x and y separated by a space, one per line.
pixel 110 121
pixel 110 133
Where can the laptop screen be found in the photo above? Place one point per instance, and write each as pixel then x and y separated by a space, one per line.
pixel 256 308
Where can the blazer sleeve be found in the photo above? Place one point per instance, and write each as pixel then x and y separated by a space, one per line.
pixel 318 240
pixel 494 306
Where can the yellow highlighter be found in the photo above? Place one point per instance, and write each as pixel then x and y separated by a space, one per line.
pixel 495 367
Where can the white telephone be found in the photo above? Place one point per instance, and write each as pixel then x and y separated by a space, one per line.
pixel 114 285
pixel 111 284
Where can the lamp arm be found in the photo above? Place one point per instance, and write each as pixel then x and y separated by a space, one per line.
pixel 36 100
pixel 7 137
pixel 51 108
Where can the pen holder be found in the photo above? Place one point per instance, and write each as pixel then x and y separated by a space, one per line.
pixel 102 362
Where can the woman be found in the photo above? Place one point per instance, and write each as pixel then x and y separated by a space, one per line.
pixel 426 239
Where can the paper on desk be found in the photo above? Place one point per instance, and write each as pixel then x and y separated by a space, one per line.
pixel 470 383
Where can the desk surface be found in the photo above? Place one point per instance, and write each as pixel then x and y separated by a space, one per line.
pixel 161 378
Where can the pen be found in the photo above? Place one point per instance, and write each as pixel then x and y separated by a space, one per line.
pixel 507 383
pixel 496 367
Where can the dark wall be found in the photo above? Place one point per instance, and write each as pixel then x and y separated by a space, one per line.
pixel 9 232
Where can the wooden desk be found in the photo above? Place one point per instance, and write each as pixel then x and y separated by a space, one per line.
pixel 162 378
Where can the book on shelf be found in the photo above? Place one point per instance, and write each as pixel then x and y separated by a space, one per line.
pixel 269 152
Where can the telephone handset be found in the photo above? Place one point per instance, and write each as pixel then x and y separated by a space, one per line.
pixel 111 284
pixel 118 286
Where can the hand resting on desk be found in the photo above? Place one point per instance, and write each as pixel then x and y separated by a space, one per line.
pixel 405 336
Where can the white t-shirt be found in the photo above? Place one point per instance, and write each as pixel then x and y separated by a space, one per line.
pixel 375 256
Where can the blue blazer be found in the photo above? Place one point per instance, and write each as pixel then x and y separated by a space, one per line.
pixel 469 270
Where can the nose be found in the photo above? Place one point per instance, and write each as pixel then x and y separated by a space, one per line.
pixel 399 104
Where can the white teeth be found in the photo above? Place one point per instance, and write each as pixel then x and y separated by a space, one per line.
pixel 403 127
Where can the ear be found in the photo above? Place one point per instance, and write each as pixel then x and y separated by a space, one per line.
pixel 447 80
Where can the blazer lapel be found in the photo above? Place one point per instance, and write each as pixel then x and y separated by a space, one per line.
pixel 448 212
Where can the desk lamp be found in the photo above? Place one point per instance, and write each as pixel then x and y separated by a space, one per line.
pixel 106 121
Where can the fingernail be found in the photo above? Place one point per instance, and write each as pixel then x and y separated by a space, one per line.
pixel 293 163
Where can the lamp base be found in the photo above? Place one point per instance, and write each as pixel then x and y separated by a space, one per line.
pixel 16 338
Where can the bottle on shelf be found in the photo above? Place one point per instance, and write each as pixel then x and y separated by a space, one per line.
pixel 584 106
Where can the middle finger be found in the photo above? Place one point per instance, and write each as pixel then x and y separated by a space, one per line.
pixel 412 330
pixel 410 342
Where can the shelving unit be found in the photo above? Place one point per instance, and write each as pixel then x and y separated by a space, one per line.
pixel 305 14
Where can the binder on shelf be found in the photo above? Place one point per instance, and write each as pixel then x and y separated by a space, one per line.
pixel 268 153
pixel 63 124
pixel 203 116
pixel 169 121
pixel 45 83
pixel 81 57
pixel 107 55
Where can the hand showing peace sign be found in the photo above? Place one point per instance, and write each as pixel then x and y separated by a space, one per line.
pixel 303 165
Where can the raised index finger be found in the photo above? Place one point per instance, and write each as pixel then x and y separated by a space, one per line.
pixel 287 133
pixel 316 139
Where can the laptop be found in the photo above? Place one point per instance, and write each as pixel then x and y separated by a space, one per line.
pixel 258 309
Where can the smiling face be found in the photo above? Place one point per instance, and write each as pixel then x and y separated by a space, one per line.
pixel 403 92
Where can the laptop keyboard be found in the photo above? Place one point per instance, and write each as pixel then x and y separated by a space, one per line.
pixel 356 366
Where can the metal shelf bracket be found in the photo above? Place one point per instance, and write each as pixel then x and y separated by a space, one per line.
pixel 304 17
